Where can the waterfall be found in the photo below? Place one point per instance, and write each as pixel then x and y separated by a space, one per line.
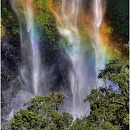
pixel 82 75
pixel 85 63
pixel 98 11
pixel 35 68
pixel 69 16
pixel 31 61
pixel 32 75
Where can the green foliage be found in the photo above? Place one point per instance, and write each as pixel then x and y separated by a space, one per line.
pixel 118 13
pixel 46 21
pixel 86 124
pixel 8 20
pixel 43 18
pixel 42 113
pixel 117 71
pixel 109 107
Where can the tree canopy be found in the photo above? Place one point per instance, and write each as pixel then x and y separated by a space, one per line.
pixel 109 106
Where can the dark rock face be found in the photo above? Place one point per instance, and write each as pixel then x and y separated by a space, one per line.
pixel 10 56
pixel 10 46
pixel 10 60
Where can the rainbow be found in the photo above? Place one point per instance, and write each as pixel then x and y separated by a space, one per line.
pixel 85 27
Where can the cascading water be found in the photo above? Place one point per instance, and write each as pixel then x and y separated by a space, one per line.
pixel 78 83
pixel 86 63
pixel 82 76
pixel 31 67
pixel 98 11
pixel 34 48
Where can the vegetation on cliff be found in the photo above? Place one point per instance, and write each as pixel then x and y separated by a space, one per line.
pixel 117 12
pixel 109 106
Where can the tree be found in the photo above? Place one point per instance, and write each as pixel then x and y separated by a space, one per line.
pixel 109 105
pixel 118 12
pixel 117 71
pixel 41 113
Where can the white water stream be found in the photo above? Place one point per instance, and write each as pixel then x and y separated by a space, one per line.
pixel 98 11
pixel 79 76
pixel 80 81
